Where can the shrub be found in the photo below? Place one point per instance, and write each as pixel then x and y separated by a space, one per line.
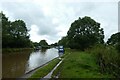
pixel 107 58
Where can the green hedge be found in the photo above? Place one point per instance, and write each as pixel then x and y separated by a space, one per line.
pixel 108 59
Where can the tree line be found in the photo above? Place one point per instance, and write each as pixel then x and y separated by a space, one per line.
pixel 15 35
pixel 85 33
pixel 82 34
pixel 42 43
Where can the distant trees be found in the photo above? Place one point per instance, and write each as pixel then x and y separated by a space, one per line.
pixel 63 41
pixel 114 40
pixel 36 44
pixel 43 43
pixel 14 34
pixel 54 45
pixel 83 33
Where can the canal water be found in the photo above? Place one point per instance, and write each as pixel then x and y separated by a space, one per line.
pixel 16 64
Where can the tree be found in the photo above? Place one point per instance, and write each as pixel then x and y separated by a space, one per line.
pixel 63 41
pixel 54 45
pixel 14 34
pixel 43 43
pixel 36 44
pixel 20 33
pixel 6 35
pixel 114 40
pixel 84 33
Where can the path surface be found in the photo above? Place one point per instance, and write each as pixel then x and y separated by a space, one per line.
pixel 27 75
pixel 49 74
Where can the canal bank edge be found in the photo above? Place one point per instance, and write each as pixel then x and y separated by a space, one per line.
pixel 43 71
pixel 29 73
pixel 10 50
pixel 60 58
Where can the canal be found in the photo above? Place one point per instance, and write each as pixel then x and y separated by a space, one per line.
pixel 16 64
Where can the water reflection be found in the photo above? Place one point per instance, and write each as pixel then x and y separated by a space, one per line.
pixel 15 65
pixel 40 57
pixel 43 50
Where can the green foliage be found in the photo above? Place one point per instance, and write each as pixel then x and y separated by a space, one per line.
pixel 6 38
pixel 43 43
pixel 63 41
pixel 14 34
pixel 83 34
pixel 114 40
pixel 54 45
pixel 79 65
pixel 107 58
pixel 11 50
pixel 36 44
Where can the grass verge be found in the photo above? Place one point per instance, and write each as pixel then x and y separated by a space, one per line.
pixel 10 50
pixel 44 70
pixel 79 65
pixel 108 59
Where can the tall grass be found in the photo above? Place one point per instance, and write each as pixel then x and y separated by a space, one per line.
pixel 107 58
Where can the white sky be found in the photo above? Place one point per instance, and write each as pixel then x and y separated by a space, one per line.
pixel 51 19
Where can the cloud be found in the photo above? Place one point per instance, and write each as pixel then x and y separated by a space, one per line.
pixel 28 12
pixel 51 19
pixel 119 16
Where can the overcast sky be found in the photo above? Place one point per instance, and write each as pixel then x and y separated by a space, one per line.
pixel 51 19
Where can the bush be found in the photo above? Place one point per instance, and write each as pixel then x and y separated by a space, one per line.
pixel 107 58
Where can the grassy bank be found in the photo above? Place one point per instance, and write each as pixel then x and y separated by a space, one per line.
pixel 108 59
pixel 44 70
pixel 9 50
pixel 79 65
